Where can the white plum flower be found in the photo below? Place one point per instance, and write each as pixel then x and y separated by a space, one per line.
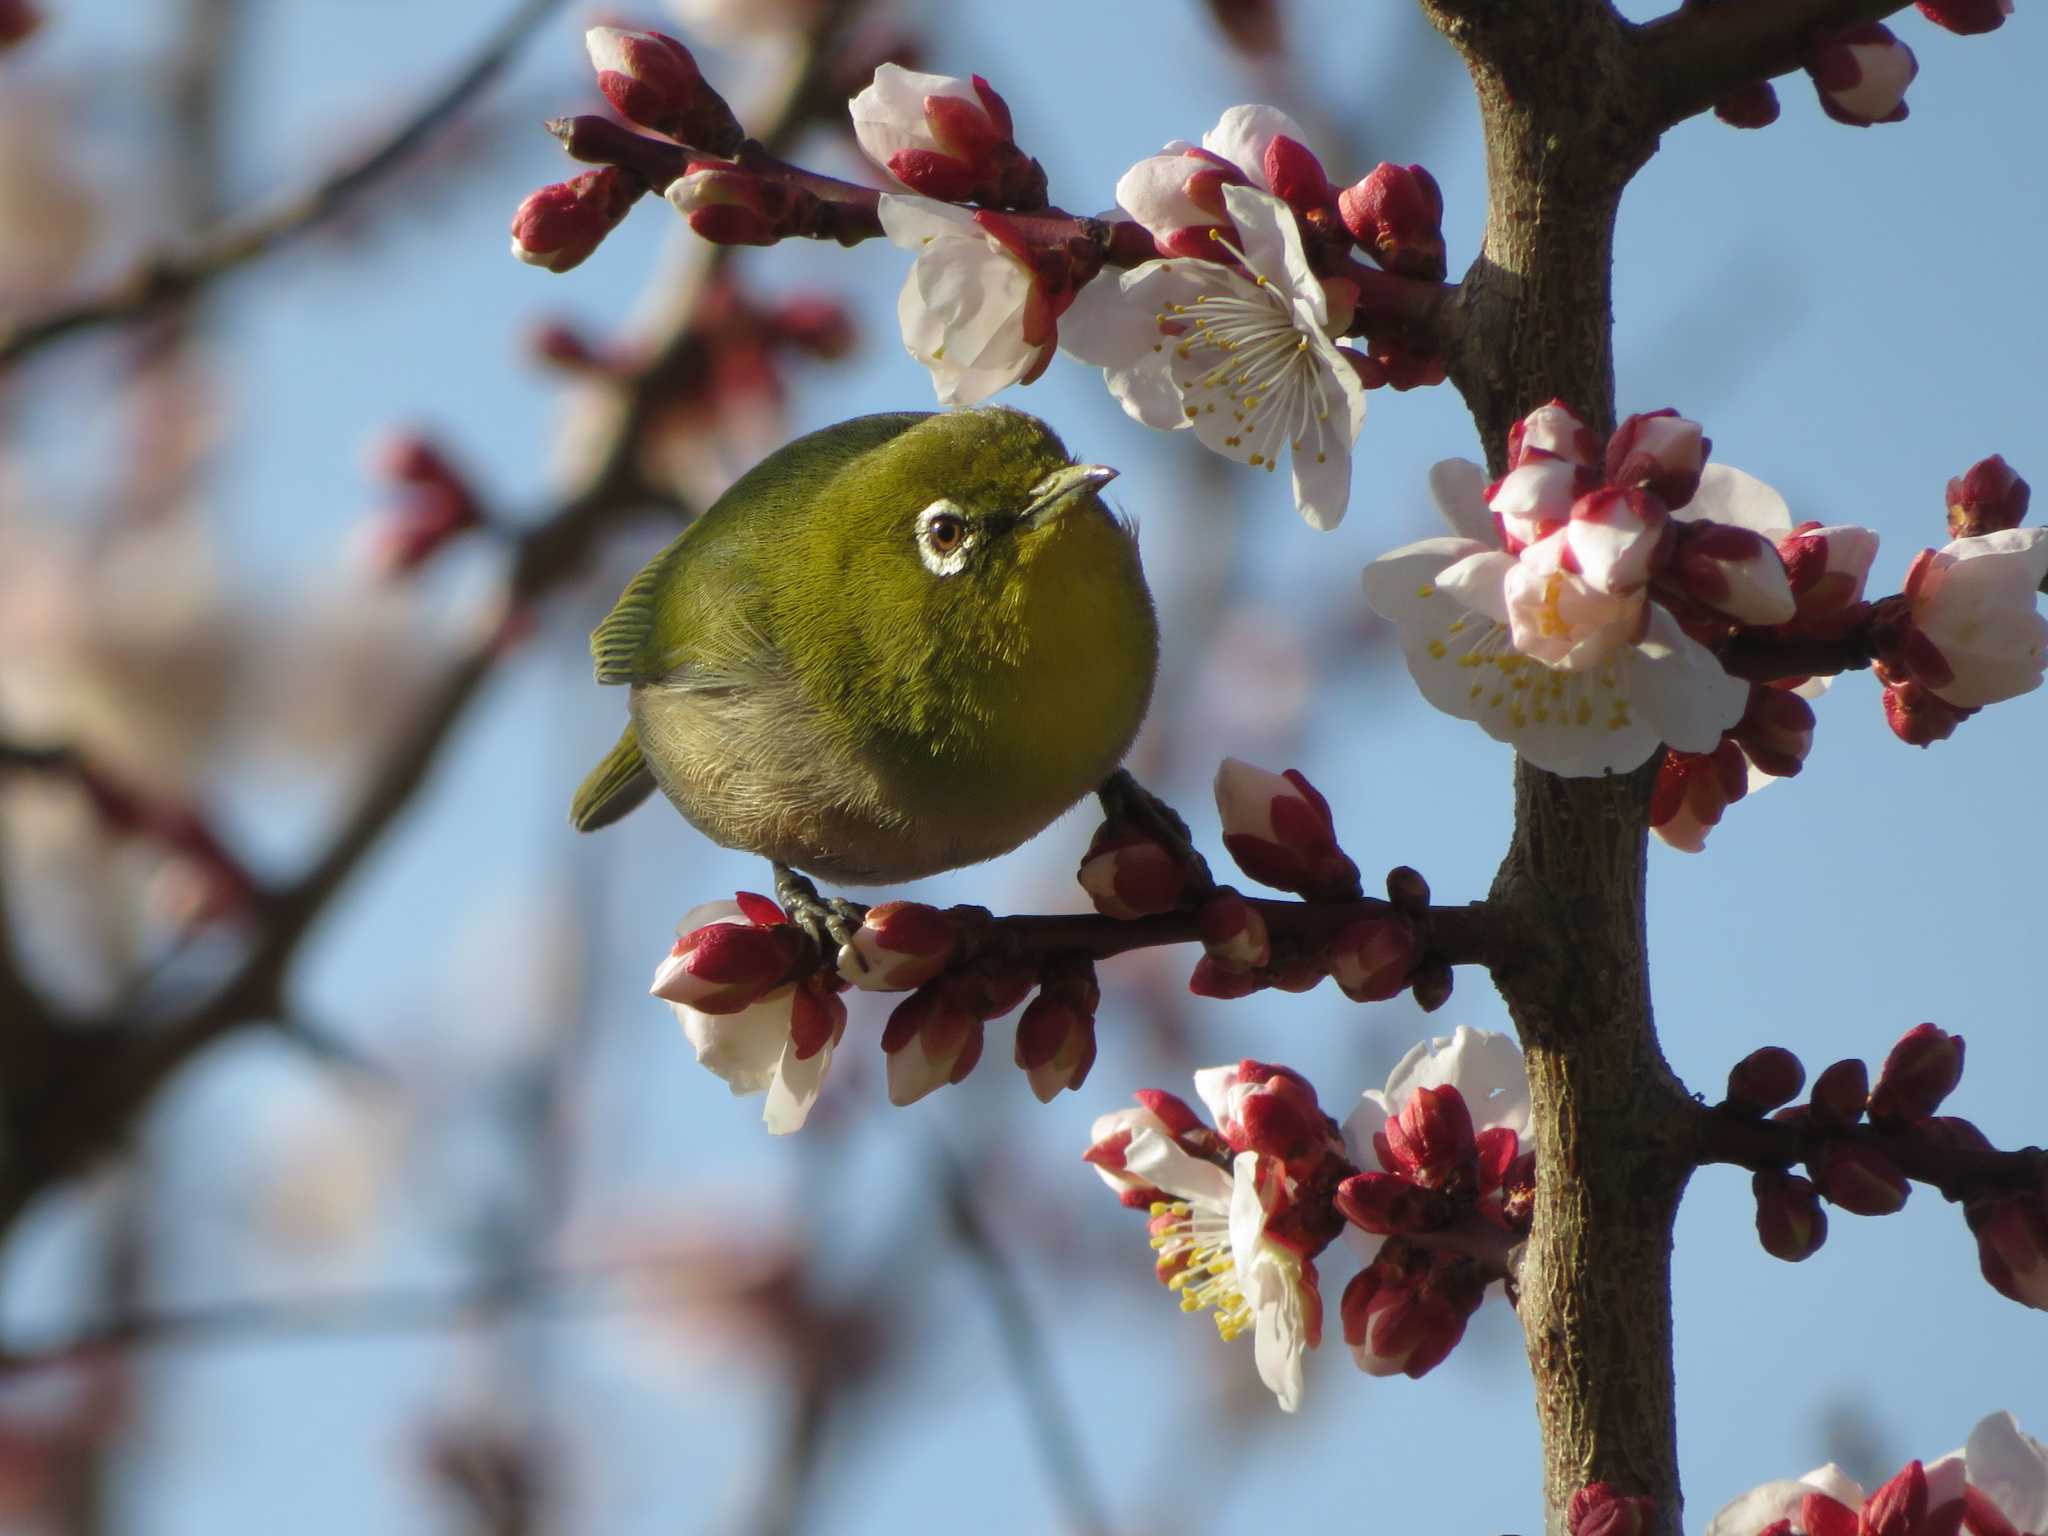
pixel 1978 636
pixel 1577 681
pixel 780 1045
pixel 1242 356
pixel 2009 1468
pixel 970 310
pixel 1214 1249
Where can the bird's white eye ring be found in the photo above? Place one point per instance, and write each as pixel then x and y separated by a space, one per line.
pixel 944 537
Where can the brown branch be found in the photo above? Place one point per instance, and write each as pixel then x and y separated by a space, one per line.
pixel 1960 1173
pixel 98 1081
pixel 164 277
pixel 1704 52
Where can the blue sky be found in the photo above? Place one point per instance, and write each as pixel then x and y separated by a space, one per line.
pixel 1854 315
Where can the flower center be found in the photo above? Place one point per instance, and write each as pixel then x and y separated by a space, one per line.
pixel 1195 1261
pixel 1523 687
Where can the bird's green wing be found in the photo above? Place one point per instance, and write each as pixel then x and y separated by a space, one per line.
pixel 618 645
pixel 614 787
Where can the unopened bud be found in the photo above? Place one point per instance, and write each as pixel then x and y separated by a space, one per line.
pixel 1372 959
pixel 1921 1071
pixel 1431 983
pixel 1861 1180
pixel 1388 1205
pixel 1212 978
pixel 560 225
pixel 1841 1093
pixel 946 138
pixel 932 1038
pixel 1754 106
pixel 1967 16
pixel 651 79
pixel 1406 1310
pixel 1691 792
pixel 1862 74
pixel 1734 571
pixel 1615 536
pixel 1920 717
pixel 1775 731
pixel 729 206
pixel 1056 1042
pixel 1431 1140
pixel 898 946
pixel 1764 1079
pixel 1233 932
pixel 1988 497
pixel 1128 874
pixel 1553 431
pixel 1396 213
pixel 1661 452
pixel 1408 891
pixel 1535 499
pixel 1826 568
pixel 1789 1220
pixel 1600 1509
pixel 1279 829
pixel 2012 1245
pixel 724 967
pixel 1296 177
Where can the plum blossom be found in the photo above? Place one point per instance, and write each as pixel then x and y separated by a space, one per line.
pixel 1577 680
pixel 1977 636
pixel 971 311
pixel 1212 1228
pixel 1244 357
pixel 2008 1471
pixel 780 1044
pixel 1177 194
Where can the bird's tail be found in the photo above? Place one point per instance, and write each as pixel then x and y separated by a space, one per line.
pixel 614 787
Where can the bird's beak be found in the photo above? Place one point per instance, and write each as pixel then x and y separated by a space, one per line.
pixel 1064 487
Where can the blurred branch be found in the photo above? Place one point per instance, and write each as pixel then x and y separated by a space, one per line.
pixel 99 1080
pixel 1029 1356
pixel 163 277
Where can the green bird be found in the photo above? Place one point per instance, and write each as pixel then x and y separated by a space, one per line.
pixel 896 646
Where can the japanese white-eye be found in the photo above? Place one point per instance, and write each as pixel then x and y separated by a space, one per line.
pixel 895 646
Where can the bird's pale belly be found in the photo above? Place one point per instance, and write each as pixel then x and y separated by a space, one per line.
pixel 751 768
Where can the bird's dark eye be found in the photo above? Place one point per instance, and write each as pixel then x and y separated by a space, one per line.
pixel 944 533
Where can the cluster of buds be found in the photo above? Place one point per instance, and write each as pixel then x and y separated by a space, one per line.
pixel 1855 1134
pixel 1440 1199
pixel 434 504
pixel 1995 1484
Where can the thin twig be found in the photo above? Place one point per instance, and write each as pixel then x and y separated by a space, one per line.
pixel 1052 1421
pixel 164 276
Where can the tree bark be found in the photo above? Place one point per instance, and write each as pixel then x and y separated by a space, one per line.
pixel 1567 123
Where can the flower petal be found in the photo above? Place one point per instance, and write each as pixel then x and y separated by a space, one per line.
pixel 1728 495
pixel 1458 486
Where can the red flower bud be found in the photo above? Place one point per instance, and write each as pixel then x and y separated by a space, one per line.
pixel 1861 1180
pixel 1754 106
pixel 899 945
pixel 1128 874
pixel 1862 74
pixel 1396 213
pixel 1659 451
pixel 1789 1220
pixel 1921 1071
pixel 1599 1509
pixel 1055 1042
pixel 1233 933
pixel 651 79
pixel 1764 1079
pixel 1408 891
pixel 1431 1140
pixel 1372 959
pixel 2012 1245
pixel 560 225
pixel 1841 1093
pixel 726 967
pixel 1389 1205
pixel 1279 829
pixel 1918 716
pixel 1775 731
pixel 1431 983
pixel 1988 497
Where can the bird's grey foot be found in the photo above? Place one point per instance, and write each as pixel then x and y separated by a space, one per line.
pixel 1124 798
pixel 829 921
